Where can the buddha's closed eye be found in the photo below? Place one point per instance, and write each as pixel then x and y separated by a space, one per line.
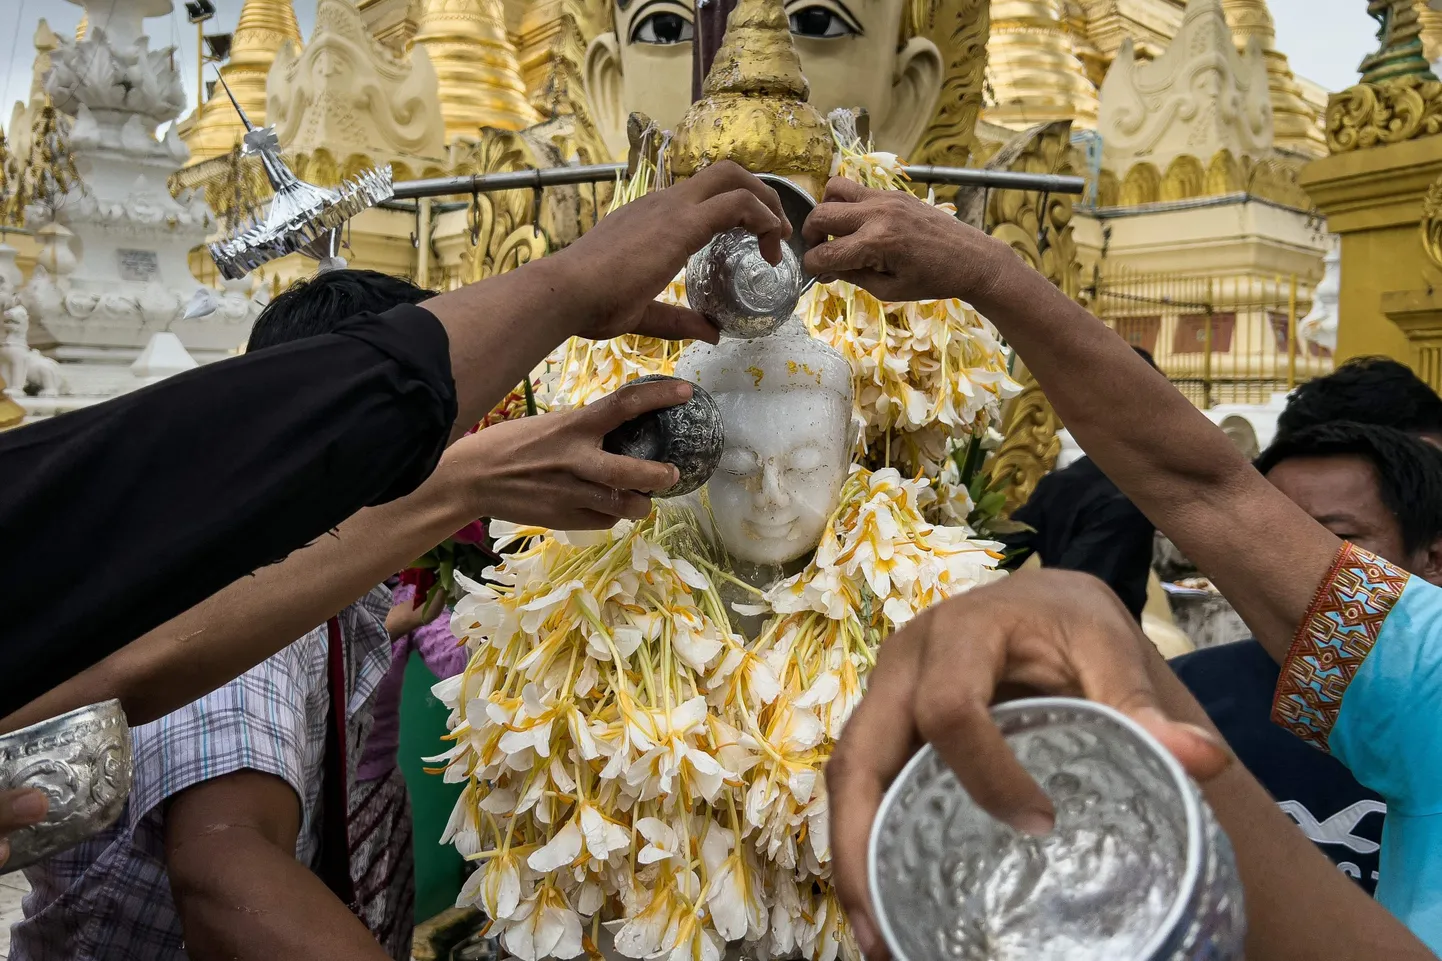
pixel 805 459
pixel 740 461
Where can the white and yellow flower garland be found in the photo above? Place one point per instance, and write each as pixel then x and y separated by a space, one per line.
pixel 627 756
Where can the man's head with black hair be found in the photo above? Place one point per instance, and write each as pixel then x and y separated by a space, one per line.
pixel 319 305
pixel 1375 486
pixel 1367 390
pixel 1146 355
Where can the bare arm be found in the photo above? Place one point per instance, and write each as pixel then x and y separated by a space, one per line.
pixel 1262 550
pixel 238 888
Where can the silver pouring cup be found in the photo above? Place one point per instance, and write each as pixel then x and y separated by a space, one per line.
pixel 81 760
pixel 1136 868
pixel 732 285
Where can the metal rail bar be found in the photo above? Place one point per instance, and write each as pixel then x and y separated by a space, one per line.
pixel 536 179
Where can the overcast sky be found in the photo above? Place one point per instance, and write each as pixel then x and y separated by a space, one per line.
pixel 1325 39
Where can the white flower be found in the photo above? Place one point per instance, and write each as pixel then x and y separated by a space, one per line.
pixel 544 927
pixel 661 840
pixel 587 829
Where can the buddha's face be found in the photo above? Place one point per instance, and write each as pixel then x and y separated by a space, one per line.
pixel 848 50
pixel 781 472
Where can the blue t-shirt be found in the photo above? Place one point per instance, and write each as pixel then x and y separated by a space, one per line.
pixel 1235 684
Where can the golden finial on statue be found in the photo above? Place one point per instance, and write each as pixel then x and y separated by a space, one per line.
pixel 754 108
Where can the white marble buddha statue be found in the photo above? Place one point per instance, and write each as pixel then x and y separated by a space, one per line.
pixel 786 403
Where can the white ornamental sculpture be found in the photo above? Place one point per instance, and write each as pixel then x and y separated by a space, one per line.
pixel 1319 327
pixel 1198 98
pixel 115 271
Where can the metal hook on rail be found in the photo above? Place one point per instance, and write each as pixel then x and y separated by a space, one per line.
pixel 473 218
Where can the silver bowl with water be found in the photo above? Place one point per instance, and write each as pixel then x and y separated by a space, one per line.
pixel 1136 868
pixel 732 285
pixel 81 760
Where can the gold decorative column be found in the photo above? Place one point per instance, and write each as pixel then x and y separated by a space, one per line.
pixel 1034 69
pixel 479 79
pixel 1294 121
pixel 753 107
pixel 265 26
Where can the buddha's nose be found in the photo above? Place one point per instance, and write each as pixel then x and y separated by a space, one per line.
pixel 772 492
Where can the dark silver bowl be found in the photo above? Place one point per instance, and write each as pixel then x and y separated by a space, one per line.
pixel 82 761
pixel 1136 868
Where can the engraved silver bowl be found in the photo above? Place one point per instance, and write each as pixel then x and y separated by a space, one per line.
pixel 689 436
pixel 1136 868
pixel 733 286
pixel 81 760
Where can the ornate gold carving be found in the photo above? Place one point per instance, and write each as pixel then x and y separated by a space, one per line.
pixel 1141 185
pixel 1184 179
pixel 1270 178
pixel 1031 446
pixel 477 74
pixel 1400 33
pixel 959 28
pixel 1041 234
pixel 502 235
pixel 1371 114
pixel 1431 223
pixel 754 108
pixel 1224 174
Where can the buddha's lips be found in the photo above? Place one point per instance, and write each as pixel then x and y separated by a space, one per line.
pixel 779 530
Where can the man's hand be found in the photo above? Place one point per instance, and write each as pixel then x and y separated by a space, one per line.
pixel 627 259
pixel 19 809
pixel 897 247
pixel 550 470
pixel 1052 632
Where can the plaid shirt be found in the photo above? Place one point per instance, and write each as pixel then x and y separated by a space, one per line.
pixel 108 899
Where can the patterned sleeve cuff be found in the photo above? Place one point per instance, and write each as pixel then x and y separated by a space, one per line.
pixel 1340 628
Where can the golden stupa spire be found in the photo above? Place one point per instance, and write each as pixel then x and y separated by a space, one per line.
pixel 1293 119
pixel 265 26
pixel 479 76
pixel 753 107
pixel 82 26
pixel 1034 69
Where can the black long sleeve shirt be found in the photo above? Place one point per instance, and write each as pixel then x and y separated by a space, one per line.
pixel 117 517
pixel 1082 522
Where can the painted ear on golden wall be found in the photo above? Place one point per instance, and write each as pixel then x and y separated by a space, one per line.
pixel 604 86
pixel 914 93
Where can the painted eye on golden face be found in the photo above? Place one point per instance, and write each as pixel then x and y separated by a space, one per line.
pixel 822 22
pixel 663 28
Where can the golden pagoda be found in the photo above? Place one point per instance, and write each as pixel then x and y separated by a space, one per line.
pixel 265 26
pixel 754 107
pixel 476 68
pixel 1294 120
pixel 1035 73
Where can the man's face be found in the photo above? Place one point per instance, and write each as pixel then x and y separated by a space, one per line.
pixel 1342 494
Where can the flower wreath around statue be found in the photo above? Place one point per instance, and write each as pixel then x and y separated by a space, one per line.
pixel 641 732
